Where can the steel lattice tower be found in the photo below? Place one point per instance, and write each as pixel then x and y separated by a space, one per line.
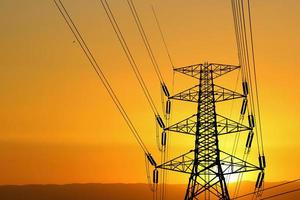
pixel 206 163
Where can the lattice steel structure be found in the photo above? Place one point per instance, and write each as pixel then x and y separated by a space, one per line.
pixel 206 163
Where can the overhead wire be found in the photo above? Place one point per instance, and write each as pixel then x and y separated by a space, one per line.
pixel 280 194
pixel 268 188
pixel 121 39
pixel 237 34
pixel 60 6
pixel 255 76
pixel 242 39
pixel 244 46
pixel 240 56
pixel 150 54
pixel 133 64
pixel 252 93
pixel 129 55
pixel 162 36
pixel 238 30
pixel 161 147
pixel 145 39
pixel 244 63
pixel 165 153
pixel 244 59
pixel 258 131
pixel 249 71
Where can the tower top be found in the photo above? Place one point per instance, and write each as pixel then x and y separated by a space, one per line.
pixel 217 69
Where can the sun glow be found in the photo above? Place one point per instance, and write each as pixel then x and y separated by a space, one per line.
pixel 233 178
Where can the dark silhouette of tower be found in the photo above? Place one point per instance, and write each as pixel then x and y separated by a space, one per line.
pixel 207 164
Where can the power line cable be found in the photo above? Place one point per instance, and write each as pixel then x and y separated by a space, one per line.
pixel 147 45
pixel 145 39
pixel 244 58
pixel 280 194
pixel 255 76
pixel 128 54
pixel 99 72
pixel 237 35
pixel 163 37
pixel 272 187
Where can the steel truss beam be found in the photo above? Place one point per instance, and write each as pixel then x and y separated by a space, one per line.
pixel 220 93
pixel 217 69
pixel 230 164
pixel 224 125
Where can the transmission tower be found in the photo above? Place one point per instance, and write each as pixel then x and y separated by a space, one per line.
pixel 207 164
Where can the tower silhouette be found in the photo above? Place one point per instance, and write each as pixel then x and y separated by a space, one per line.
pixel 207 164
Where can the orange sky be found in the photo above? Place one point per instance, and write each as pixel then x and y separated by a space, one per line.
pixel 58 124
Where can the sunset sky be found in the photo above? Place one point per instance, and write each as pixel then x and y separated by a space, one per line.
pixel 59 125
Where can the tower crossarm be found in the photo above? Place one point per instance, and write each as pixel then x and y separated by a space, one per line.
pixel 183 163
pixel 224 94
pixel 230 164
pixel 224 126
pixel 233 165
pixel 220 94
pixel 217 69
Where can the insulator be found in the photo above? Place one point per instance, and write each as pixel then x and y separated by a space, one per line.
pixel 231 164
pixel 151 160
pixel 244 106
pixel 251 121
pixel 260 179
pixel 262 162
pixel 164 138
pixel 155 176
pixel 249 139
pixel 160 122
pixel 165 89
pixel 168 107
pixel 245 88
